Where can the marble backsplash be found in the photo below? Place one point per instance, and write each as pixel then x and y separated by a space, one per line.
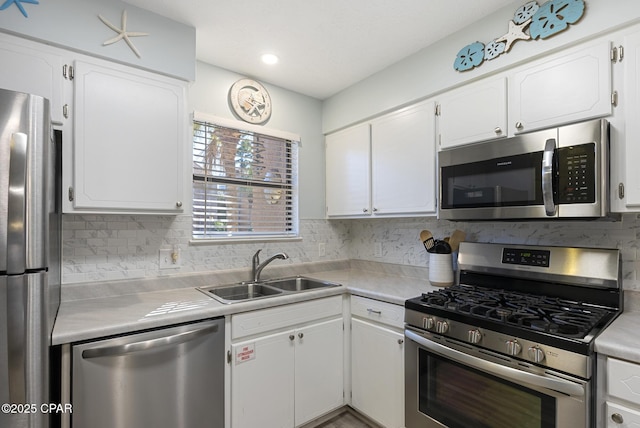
pixel 114 247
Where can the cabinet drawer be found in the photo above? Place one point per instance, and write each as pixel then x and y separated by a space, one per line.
pixel 621 416
pixel 623 380
pixel 374 310
pixel 261 321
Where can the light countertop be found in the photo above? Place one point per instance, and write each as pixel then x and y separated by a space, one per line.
pixel 87 313
pixel 91 311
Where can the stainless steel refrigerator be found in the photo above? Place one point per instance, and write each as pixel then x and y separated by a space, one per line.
pixel 29 257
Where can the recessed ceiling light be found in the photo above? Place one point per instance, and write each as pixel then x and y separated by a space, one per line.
pixel 269 59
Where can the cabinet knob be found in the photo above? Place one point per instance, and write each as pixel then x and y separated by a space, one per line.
pixel 291 337
pixel 519 125
pixel 375 210
pixel 400 341
pixel 365 210
pixel 498 130
pixel 617 418
pixel 179 204
pixel 300 335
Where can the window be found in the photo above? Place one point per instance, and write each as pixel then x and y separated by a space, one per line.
pixel 244 183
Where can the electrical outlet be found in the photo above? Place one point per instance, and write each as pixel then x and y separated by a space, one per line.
pixel 377 249
pixel 322 249
pixel 169 258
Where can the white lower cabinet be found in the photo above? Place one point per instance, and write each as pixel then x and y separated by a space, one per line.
pixel 621 395
pixel 287 366
pixel 377 361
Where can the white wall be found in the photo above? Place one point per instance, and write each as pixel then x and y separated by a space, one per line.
pixel 292 112
pixel 430 71
pixel 74 24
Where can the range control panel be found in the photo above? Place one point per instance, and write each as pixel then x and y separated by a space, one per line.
pixel 517 256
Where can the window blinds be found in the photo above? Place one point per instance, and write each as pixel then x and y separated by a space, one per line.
pixel 244 183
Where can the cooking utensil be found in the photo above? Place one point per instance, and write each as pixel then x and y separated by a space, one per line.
pixel 456 238
pixel 440 247
pixel 427 239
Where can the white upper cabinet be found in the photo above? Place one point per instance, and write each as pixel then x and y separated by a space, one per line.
pixel 403 166
pixel 34 69
pixel 626 132
pixel 130 130
pixel 570 86
pixel 472 113
pixel 348 172
pixel 385 167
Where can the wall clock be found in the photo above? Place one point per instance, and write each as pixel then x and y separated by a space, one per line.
pixel 250 101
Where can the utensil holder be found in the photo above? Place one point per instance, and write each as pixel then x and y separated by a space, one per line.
pixel 440 270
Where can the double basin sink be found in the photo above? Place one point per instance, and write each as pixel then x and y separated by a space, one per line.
pixel 244 291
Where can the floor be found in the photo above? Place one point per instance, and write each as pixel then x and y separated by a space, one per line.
pixel 345 420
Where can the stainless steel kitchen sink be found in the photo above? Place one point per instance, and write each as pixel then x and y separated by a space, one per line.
pixel 244 291
pixel 299 283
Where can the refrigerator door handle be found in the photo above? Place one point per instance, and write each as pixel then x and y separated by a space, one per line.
pixel 16 215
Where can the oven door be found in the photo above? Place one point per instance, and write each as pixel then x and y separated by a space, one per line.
pixel 454 385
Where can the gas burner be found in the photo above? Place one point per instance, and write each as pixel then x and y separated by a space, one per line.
pixel 538 313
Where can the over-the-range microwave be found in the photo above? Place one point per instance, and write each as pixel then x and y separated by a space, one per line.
pixel 554 173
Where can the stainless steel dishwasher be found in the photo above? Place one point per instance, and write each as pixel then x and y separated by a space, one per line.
pixel 167 378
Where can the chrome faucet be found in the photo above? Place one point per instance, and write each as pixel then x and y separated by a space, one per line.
pixel 256 266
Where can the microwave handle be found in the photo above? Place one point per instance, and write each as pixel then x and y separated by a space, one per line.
pixel 547 177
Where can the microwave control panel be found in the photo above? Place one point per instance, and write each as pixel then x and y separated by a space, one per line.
pixel 577 174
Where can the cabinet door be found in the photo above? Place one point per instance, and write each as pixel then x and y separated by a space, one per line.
pixel 621 416
pixel 403 166
pixel 564 88
pixel 318 370
pixel 472 113
pixel 32 68
pixel 377 373
pixel 631 140
pixel 348 172
pixel 129 137
pixel 262 383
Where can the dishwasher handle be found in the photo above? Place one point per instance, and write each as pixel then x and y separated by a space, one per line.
pixel 145 345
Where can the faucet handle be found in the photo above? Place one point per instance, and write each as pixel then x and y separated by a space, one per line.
pixel 256 258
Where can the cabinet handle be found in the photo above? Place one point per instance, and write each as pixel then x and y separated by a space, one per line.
pixel 291 337
pixel 373 311
pixel 519 125
pixel 300 335
pixel 65 111
pixel 400 341
pixel 617 418
pixel 498 130
pixel 365 210
pixel 179 204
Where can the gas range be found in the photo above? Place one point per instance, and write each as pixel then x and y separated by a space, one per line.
pixel 542 305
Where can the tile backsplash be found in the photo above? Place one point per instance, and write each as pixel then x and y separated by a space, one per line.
pixel 111 247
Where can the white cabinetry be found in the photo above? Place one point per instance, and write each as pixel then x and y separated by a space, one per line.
pixel 348 172
pixel 385 167
pixel 571 86
pixel 287 364
pixel 622 395
pixel 473 113
pixel 377 361
pixel 129 135
pixel 630 128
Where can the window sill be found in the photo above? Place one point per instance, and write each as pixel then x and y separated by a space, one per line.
pixel 241 240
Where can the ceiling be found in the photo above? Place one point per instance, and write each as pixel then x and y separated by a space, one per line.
pixel 324 46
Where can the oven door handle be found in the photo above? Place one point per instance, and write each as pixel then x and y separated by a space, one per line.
pixel 547 177
pixel 565 387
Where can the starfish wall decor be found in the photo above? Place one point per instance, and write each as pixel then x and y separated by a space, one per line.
pixel 18 3
pixel 531 21
pixel 123 34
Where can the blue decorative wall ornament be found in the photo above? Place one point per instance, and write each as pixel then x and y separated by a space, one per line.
pixel 18 3
pixel 555 16
pixel 530 22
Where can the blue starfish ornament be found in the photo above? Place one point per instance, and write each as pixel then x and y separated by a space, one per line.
pixel 18 3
